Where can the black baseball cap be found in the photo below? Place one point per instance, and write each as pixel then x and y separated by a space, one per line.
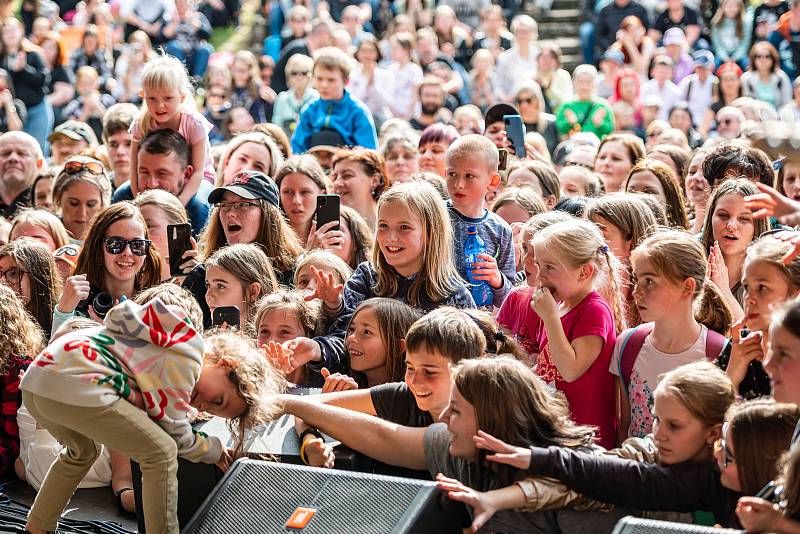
pixel 252 185
pixel 497 112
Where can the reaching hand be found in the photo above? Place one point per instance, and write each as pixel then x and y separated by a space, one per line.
pixel 483 507
pixel 280 356
pixel 337 381
pixel 303 350
pixel 318 453
pixel 770 203
pixel 519 457
pixel 793 238
pixel 326 289
pixel 758 515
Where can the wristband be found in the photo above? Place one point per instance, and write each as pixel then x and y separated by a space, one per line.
pixel 303 442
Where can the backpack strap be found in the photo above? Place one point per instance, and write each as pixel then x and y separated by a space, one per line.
pixel 629 351
pixel 715 342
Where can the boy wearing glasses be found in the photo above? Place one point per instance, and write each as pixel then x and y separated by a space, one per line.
pixel 287 108
pixel 334 110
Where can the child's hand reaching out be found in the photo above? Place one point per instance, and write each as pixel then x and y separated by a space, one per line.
pixel 337 381
pixel 326 289
pixel 280 357
pixel 317 452
pixel 519 457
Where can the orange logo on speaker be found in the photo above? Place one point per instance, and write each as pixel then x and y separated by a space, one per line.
pixel 300 517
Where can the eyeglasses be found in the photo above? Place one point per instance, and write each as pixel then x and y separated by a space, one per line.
pixel 524 100
pixel 117 245
pixel 76 167
pixel 13 276
pixel 722 445
pixel 299 73
pixel 237 206
pixel 762 56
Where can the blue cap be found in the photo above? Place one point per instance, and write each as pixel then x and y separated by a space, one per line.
pixel 703 58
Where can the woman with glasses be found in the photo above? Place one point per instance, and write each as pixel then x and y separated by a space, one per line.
pixel 117 258
pixel 531 104
pixel 764 79
pixel 80 190
pixel 289 103
pixel 247 210
pixel 27 267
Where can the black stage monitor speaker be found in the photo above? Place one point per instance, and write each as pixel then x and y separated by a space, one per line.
pixel 257 497
pixel 635 525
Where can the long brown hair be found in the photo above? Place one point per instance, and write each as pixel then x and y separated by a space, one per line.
pixel 512 404
pixel 20 336
pixel 676 256
pixel 275 236
pixel 91 261
pixel 675 209
pixel 739 186
pixel 34 258
pixel 761 431
pixel 394 319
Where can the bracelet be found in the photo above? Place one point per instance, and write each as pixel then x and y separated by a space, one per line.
pixel 307 432
pixel 118 493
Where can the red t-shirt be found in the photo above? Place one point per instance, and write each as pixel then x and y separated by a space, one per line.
pixel 591 396
pixel 517 316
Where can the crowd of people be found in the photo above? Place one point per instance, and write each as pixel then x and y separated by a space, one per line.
pixel 625 338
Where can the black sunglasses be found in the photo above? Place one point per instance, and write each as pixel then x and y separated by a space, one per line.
pixel 116 245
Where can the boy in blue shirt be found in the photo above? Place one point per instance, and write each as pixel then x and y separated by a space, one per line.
pixel 335 109
pixel 472 170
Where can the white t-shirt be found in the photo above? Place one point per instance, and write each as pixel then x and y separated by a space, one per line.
pixel 646 374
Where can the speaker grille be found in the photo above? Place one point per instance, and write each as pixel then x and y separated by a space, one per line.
pixel 269 494
pixel 633 525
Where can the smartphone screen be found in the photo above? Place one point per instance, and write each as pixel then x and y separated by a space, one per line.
pixel 226 315
pixel 515 131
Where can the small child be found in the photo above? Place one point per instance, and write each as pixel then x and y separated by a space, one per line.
pixel 334 109
pixel 290 102
pixel 130 384
pixel 238 275
pixel 168 104
pixel 472 171
pixel 587 112
pixel 90 105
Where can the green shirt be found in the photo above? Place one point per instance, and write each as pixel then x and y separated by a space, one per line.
pixel 585 111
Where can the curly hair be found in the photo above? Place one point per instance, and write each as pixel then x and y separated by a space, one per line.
pixel 256 381
pixel 20 336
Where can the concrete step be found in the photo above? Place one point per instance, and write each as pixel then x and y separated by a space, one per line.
pixel 558 30
pixel 568 45
pixel 559 14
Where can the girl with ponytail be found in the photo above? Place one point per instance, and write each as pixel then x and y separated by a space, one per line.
pixel 684 318
pixel 768 281
pixel 579 302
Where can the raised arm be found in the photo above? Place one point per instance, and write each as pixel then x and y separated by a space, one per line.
pixel 386 442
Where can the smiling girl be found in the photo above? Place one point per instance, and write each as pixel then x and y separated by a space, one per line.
pixel 117 258
pixel 652 177
pixel 411 261
pixel 616 155
pixel 728 229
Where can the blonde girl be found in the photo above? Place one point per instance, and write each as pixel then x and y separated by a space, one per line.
pixel 40 225
pixel 768 282
pixel 728 228
pixel 515 317
pixel 578 326
pixel 238 275
pixel 685 319
pixel 284 315
pixel 168 104
pixel 248 90
pixel 411 262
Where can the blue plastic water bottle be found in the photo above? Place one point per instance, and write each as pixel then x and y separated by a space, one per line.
pixel 474 245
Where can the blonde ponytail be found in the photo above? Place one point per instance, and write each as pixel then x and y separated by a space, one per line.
pixel 613 293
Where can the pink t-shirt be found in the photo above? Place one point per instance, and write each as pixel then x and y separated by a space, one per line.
pixel 591 397
pixel 194 127
pixel 517 316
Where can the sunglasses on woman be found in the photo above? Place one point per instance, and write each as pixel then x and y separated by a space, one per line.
pixel 76 167
pixel 116 245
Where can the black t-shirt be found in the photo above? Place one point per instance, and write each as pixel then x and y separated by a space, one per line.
pixel 690 18
pixel 394 402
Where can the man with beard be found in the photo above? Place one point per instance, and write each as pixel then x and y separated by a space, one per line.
pixel 431 95
pixel 20 159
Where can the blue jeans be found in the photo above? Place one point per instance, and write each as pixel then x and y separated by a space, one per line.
pixel 586 33
pixel 197 63
pixel 39 124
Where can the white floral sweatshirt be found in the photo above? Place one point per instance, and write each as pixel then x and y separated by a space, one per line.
pixel 149 355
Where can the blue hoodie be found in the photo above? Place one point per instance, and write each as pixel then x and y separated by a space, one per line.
pixel 351 118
